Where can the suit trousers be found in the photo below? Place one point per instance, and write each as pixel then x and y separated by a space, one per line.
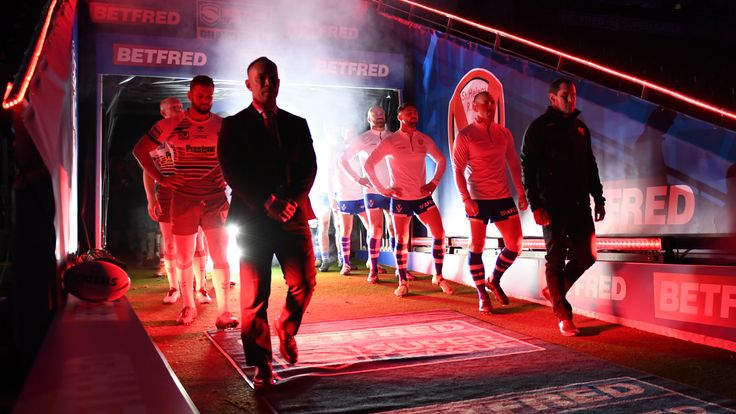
pixel 570 241
pixel 291 242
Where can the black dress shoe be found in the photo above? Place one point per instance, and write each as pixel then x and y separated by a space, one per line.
pixel 263 377
pixel 287 346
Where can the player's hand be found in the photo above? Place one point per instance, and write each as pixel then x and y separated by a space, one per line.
pixel 365 182
pixel 523 203
pixel 172 181
pixel 281 210
pixel 428 188
pixel 471 207
pixel 333 204
pixel 600 212
pixel 154 209
pixel 541 217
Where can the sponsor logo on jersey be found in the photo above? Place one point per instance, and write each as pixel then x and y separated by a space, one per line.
pixel 460 112
pixel 201 149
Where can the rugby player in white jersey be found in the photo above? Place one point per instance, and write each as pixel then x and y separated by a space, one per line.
pixel 376 204
pixel 482 153
pixel 406 151
pixel 348 200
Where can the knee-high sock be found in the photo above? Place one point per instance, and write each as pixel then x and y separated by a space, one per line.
pixel 345 245
pixel 171 274
pixel 438 252
pixel 505 259
pixel 199 268
pixel 477 271
pixel 187 283
pixel 221 281
pixel 401 260
pixel 373 246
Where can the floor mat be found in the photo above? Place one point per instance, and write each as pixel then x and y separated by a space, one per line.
pixel 445 361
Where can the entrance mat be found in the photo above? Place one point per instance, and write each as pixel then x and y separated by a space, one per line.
pixel 445 361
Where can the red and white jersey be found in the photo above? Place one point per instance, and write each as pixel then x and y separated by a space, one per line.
pixel 361 147
pixel 480 158
pixel 193 147
pixel 406 157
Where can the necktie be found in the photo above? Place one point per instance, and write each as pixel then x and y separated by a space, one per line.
pixel 269 120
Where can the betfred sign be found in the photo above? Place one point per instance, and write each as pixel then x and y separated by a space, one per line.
pixel 709 300
pixel 110 13
pixel 141 55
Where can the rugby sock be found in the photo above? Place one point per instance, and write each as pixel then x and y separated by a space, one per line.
pixel 373 252
pixel 401 260
pixel 187 283
pixel 198 268
pixel 505 259
pixel 345 244
pixel 221 281
pixel 477 272
pixel 325 256
pixel 170 266
pixel 438 252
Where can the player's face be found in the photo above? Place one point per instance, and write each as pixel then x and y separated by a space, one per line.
pixel 201 98
pixel 377 117
pixel 564 99
pixel 409 117
pixel 172 108
pixel 484 107
pixel 263 81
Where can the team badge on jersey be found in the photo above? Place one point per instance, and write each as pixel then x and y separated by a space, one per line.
pixel 581 130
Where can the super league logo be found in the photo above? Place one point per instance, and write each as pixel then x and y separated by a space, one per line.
pixel 399 207
pixel 370 203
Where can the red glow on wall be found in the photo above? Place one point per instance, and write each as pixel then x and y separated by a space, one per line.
pixel 8 101
pixel 588 63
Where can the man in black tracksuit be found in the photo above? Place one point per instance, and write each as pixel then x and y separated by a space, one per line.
pixel 560 174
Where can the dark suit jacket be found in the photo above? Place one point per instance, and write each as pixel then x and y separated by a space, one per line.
pixel 255 167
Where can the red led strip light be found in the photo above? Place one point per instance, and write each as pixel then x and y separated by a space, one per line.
pixel 11 102
pixel 582 61
pixel 633 244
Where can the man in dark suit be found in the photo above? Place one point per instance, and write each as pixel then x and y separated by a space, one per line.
pixel 267 158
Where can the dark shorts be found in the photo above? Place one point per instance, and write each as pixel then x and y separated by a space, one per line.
pixel 164 200
pixel 376 201
pixel 495 210
pixel 353 207
pixel 409 207
pixel 188 214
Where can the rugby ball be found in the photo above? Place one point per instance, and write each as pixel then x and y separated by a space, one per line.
pixel 96 281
